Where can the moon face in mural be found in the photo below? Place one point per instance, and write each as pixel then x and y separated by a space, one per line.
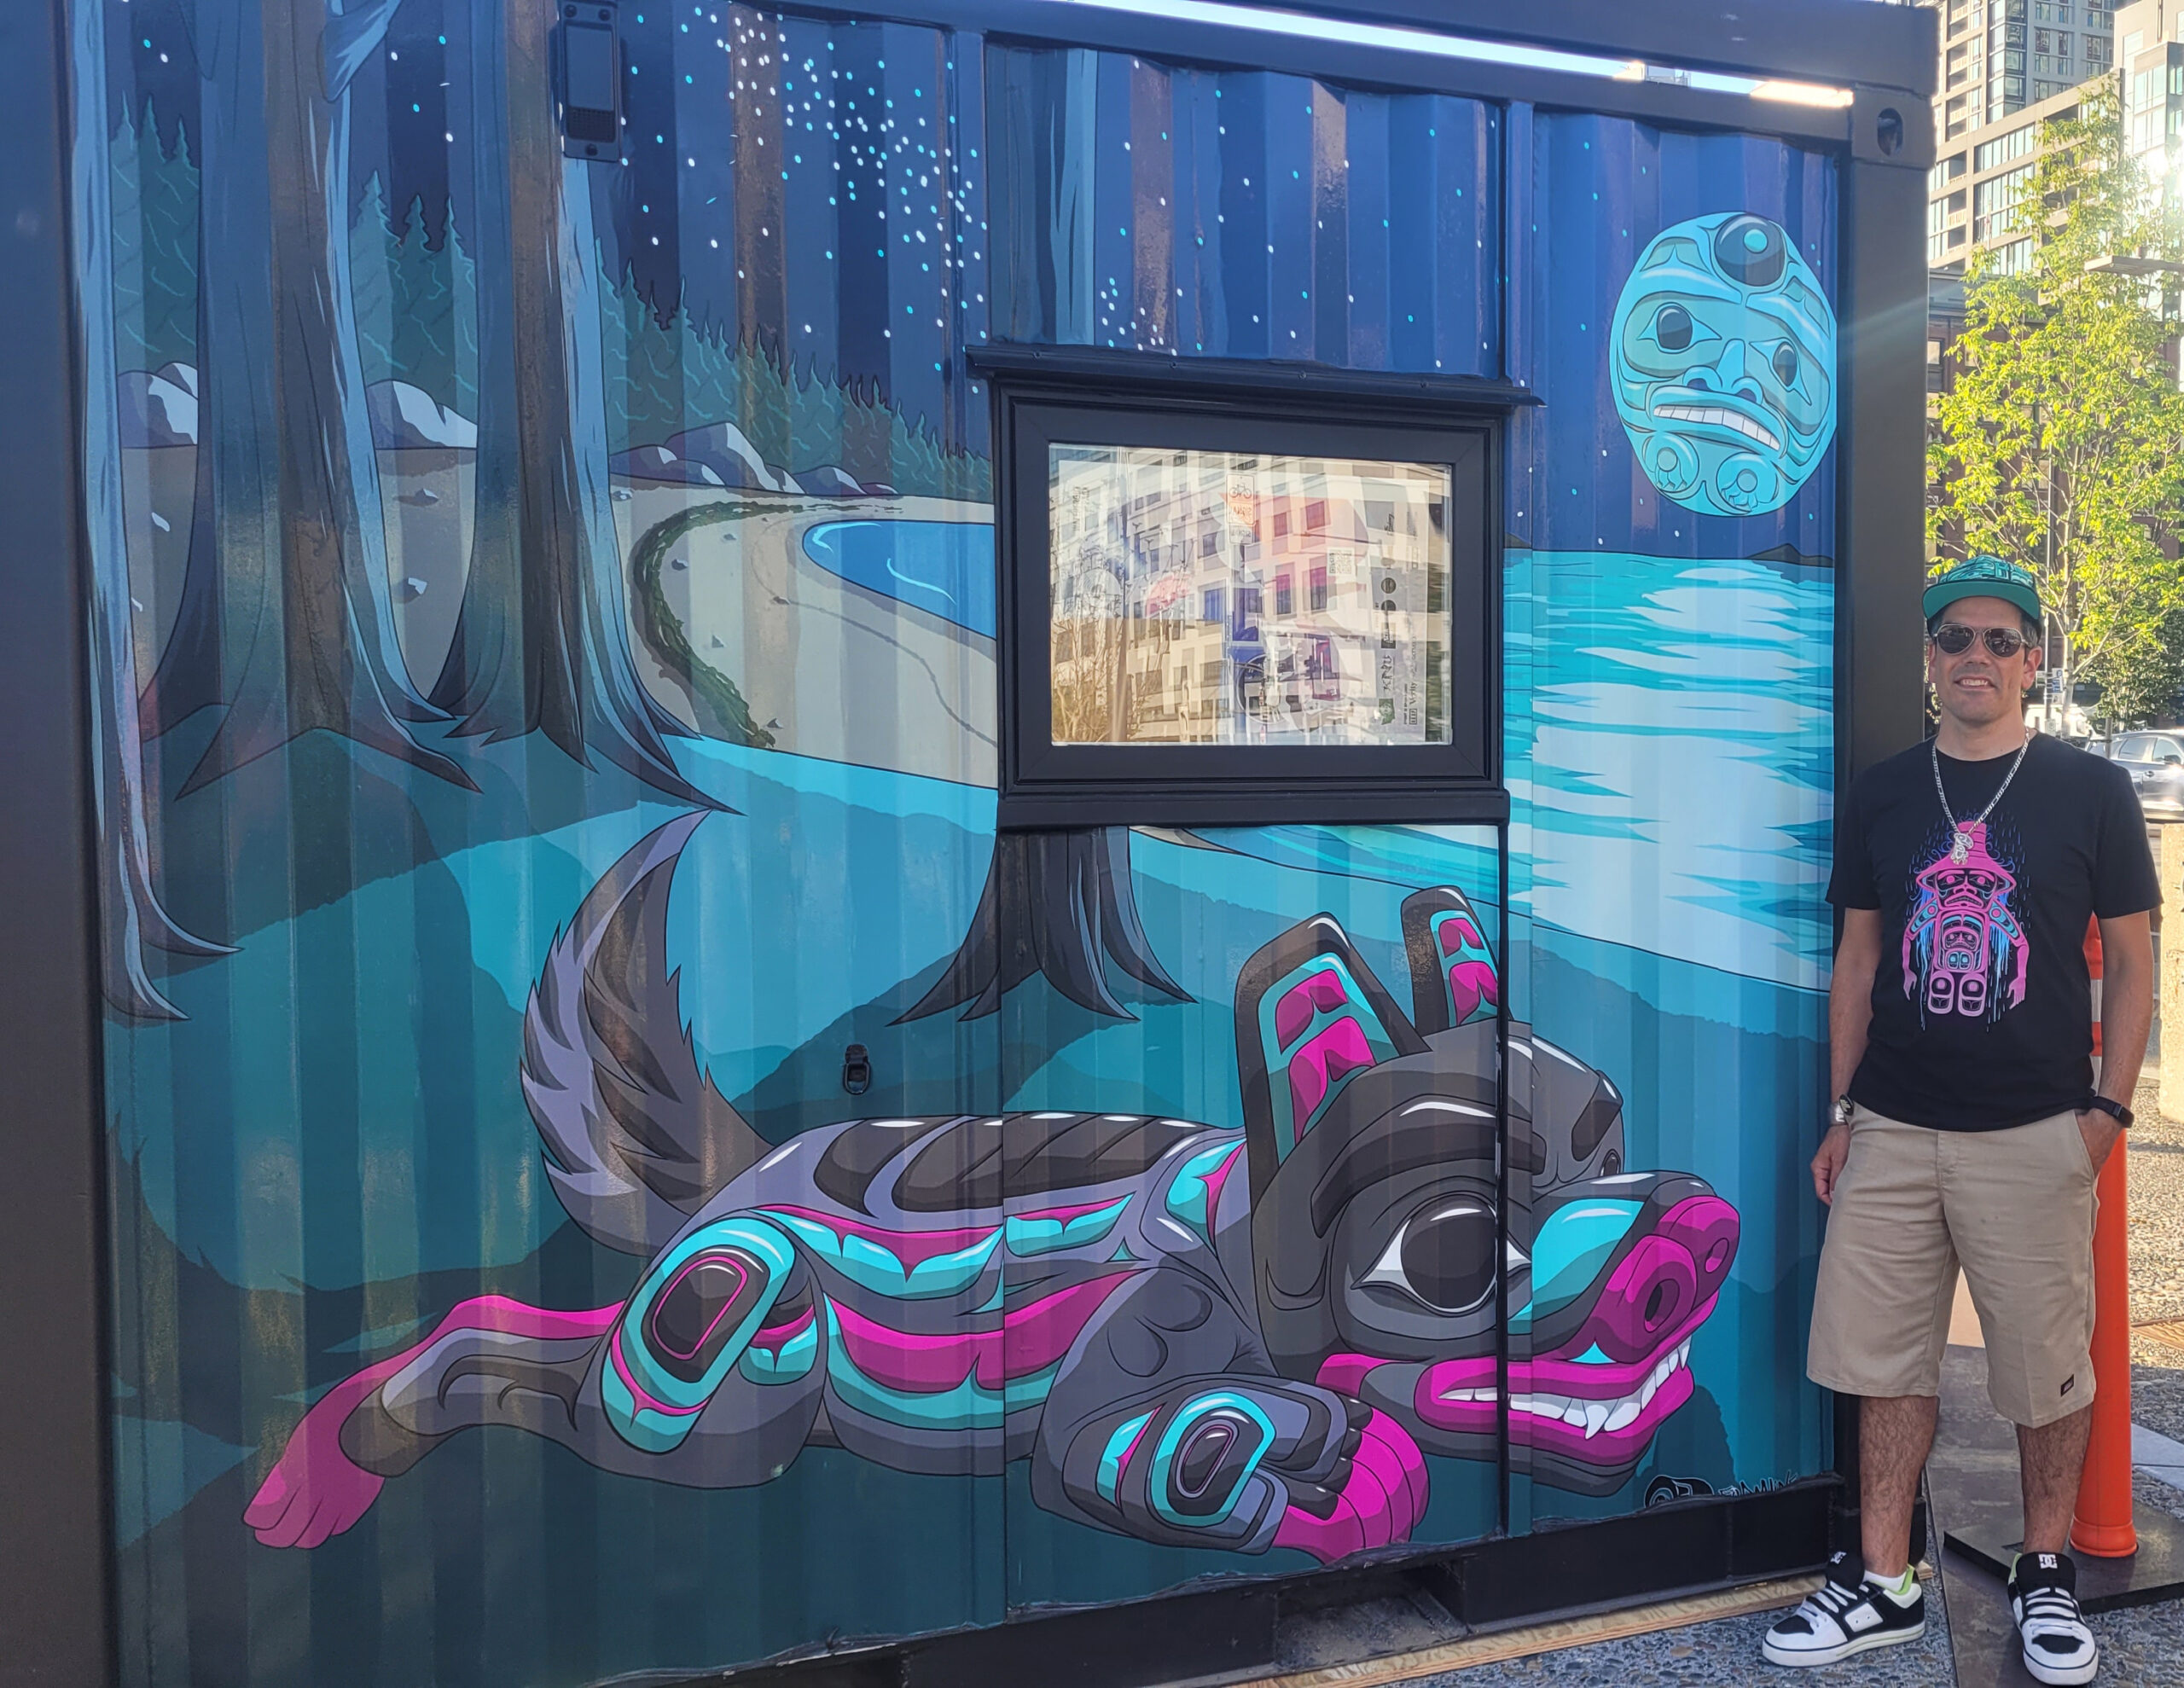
pixel 1723 350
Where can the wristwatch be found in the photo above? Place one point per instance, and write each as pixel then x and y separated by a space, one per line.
pixel 1841 1112
pixel 2115 1111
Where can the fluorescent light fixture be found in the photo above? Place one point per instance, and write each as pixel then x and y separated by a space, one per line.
pixel 1428 44
pixel 1801 94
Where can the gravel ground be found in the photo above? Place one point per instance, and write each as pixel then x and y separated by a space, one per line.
pixel 1726 1650
pixel 2156 1150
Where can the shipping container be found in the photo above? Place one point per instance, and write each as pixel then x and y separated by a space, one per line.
pixel 939 833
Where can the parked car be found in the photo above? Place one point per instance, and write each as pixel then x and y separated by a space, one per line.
pixel 2155 762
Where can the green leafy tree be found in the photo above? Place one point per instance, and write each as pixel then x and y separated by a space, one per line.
pixel 2060 444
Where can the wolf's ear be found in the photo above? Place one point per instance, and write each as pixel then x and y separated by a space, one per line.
pixel 1453 977
pixel 1310 1014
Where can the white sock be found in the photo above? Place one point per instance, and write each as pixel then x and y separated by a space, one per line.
pixel 1902 1589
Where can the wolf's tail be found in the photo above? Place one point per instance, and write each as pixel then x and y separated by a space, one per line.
pixel 636 1138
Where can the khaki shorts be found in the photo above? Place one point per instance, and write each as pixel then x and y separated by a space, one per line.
pixel 2014 1208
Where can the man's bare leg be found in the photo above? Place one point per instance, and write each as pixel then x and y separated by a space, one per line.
pixel 1895 1434
pixel 2050 1461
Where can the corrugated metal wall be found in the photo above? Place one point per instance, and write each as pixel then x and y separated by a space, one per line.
pixel 561 603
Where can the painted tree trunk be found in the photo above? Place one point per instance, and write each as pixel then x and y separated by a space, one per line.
pixel 130 906
pixel 1059 904
pixel 542 642
pixel 286 617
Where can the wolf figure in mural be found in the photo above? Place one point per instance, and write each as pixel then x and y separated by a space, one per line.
pixel 1200 1336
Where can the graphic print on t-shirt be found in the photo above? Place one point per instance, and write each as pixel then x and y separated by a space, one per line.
pixel 1964 948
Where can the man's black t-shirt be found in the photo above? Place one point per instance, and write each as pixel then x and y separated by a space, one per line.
pixel 1982 1009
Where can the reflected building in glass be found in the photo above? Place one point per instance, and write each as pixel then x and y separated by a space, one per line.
pixel 1204 597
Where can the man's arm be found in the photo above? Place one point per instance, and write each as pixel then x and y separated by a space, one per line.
pixel 2126 1017
pixel 1849 1017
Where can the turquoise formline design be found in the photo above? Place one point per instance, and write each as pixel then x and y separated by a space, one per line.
pixel 1171 1440
pixel 789 1363
pixel 870 1267
pixel 1109 1478
pixel 1021 1394
pixel 1573 1244
pixel 1044 1236
pixel 965 1406
pixel 1188 1191
pixel 1286 1130
pixel 659 1421
pixel 1723 352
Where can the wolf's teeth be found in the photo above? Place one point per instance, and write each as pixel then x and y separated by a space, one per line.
pixel 1574 1414
pixel 1596 1416
pixel 1625 1414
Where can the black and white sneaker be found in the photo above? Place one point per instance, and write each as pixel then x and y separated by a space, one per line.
pixel 2044 1601
pixel 1845 1615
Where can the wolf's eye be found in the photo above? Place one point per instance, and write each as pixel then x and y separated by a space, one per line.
pixel 1444 1257
pixel 1672 328
pixel 1785 364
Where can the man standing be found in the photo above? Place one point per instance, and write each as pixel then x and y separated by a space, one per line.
pixel 1966 1128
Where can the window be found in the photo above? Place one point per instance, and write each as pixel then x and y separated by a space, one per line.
pixel 1131 693
pixel 2132 748
pixel 2017 144
pixel 1994 200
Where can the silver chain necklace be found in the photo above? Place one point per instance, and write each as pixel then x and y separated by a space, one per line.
pixel 1961 848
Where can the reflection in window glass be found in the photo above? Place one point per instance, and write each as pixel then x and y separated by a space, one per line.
pixel 1164 564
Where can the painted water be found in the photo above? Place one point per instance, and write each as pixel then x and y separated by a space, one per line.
pixel 945 568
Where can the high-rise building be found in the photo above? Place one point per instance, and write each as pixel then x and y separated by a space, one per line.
pixel 2007 67
pixel 2149 63
pixel 2000 56
pixel 1986 141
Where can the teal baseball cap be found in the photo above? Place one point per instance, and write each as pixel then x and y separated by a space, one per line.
pixel 1985 577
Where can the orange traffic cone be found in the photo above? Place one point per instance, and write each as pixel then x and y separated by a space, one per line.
pixel 2102 1527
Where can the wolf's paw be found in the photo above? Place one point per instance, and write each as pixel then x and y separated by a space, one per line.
pixel 1374 1498
pixel 314 1491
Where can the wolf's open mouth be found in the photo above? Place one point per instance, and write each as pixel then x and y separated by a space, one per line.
pixel 1600 1413
pixel 1621 1287
pixel 1588 1413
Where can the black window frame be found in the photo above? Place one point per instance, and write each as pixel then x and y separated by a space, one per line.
pixel 1045 396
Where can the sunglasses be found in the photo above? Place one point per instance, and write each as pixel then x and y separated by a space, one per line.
pixel 1953 640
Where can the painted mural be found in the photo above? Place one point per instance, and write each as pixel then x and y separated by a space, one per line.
pixel 617 1167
